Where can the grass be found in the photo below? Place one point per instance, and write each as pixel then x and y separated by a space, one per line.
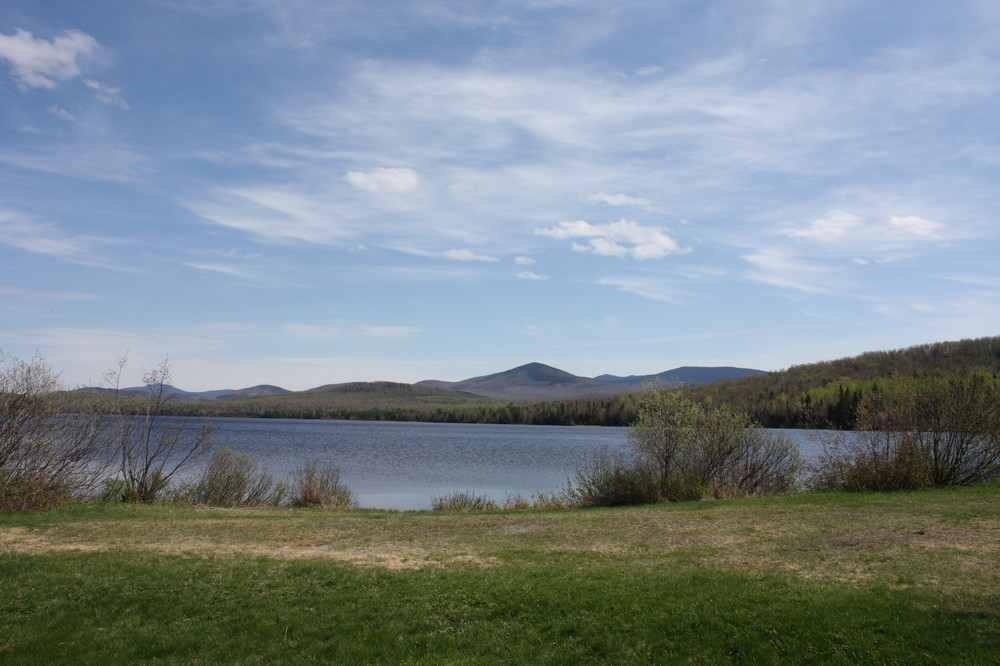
pixel 904 578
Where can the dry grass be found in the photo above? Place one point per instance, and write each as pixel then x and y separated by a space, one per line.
pixel 918 539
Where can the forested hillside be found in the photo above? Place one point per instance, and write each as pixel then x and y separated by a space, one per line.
pixel 827 393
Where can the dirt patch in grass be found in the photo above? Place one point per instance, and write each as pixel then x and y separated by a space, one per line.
pixel 99 539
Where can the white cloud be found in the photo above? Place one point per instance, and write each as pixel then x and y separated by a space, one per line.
pixel 911 225
pixel 107 93
pixel 385 181
pixel 607 247
pixel 346 330
pixel 276 214
pixel 614 238
pixel 523 261
pixel 621 200
pixel 529 275
pixel 830 229
pixel 26 233
pixel 651 70
pixel 226 269
pixel 40 294
pixel 61 113
pixel 854 237
pixel 782 268
pixel 646 288
pixel 468 255
pixel 388 331
pixel 37 63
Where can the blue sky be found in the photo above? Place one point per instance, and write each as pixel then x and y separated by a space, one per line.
pixel 301 193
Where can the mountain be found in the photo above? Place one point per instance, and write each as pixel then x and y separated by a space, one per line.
pixel 534 381
pixel 180 395
pixel 683 376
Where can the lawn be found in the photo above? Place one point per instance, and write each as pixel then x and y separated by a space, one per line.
pixel 903 578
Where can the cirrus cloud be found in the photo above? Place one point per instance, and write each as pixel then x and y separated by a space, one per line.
pixel 396 180
pixel 465 254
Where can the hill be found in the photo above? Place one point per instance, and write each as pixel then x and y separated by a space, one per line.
pixel 826 393
pixel 682 376
pixel 533 381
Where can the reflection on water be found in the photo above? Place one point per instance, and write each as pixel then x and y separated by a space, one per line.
pixel 402 465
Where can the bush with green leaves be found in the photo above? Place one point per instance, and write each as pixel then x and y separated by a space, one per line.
pixel 683 450
pixel 318 483
pixel 916 432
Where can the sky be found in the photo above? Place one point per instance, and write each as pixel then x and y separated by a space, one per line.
pixel 301 192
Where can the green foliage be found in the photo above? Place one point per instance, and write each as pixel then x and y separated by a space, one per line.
pixel 914 432
pixel 233 479
pixel 827 394
pixel 318 484
pixel 683 450
pixel 605 480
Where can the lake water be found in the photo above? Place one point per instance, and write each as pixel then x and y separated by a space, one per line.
pixel 393 465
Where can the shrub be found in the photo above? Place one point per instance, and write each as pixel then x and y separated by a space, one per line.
pixel 47 458
pixel 916 432
pixel 462 501
pixel 603 480
pixel 150 449
pixel 682 450
pixel 317 483
pixel 233 479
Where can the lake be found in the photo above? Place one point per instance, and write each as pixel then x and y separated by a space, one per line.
pixel 394 465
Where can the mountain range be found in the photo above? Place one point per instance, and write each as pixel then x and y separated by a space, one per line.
pixel 530 382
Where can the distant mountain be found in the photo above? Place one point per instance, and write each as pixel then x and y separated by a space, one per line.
pixel 683 376
pixel 386 391
pixel 180 395
pixel 534 381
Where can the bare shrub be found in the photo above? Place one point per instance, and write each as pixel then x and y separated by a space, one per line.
pixel 233 479
pixel 462 500
pixel 917 432
pixel 318 483
pixel 150 449
pixel 46 457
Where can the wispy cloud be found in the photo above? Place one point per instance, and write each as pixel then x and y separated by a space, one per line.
pixel 348 330
pixel 621 200
pixel 32 235
pixel 647 288
pixel 780 267
pixel 530 275
pixel 384 181
pixel 465 254
pixel 106 93
pixel 41 294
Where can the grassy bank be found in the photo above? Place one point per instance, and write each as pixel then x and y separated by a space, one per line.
pixel 819 578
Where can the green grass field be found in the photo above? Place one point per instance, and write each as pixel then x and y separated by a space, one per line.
pixel 905 578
